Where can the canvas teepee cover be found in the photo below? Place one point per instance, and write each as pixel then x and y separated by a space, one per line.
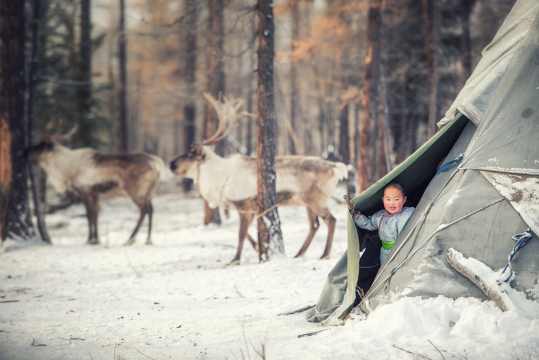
pixel 475 207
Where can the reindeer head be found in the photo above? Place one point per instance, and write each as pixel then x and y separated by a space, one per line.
pixel 227 112
pixel 187 165
pixel 36 153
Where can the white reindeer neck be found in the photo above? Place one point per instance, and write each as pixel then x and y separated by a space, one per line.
pixel 213 173
pixel 58 164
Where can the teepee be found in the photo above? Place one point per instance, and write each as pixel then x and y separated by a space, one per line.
pixel 475 206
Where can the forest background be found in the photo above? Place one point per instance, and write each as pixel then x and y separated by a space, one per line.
pixel 357 81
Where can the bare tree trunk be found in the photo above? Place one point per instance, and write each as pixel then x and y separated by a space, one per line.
pixel 122 59
pixel 330 122
pixel 344 136
pixel 270 239
pixel 431 23
pixel 84 92
pixel 251 93
pixel 309 143
pixel 388 138
pixel 320 103
pixel 18 224
pixel 389 141
pixel 344 146
pixel 216 86
pixel 294 97
pixel 405 140
pixel 190 65
pixel 5 171
pixel 465 42
pixel 134 123
pixel 369 123
pixel 30 128
pixel 249 142
pixel 381 142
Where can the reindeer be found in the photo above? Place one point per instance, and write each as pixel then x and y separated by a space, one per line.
pixel 89 174
pixel 301 180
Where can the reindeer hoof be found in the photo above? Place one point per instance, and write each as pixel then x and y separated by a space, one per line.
pixel 149 242
pixel 234 262
pixel 299 255
pixel 324 257
pixel 130 242
pixel 93 242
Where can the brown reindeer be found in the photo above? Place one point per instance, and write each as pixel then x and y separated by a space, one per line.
pixel 89 174
pixel 301 180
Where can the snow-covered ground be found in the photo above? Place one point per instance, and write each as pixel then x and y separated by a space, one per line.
pixel 178 299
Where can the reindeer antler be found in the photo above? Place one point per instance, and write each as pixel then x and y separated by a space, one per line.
pixel 58 136
pixel 227 113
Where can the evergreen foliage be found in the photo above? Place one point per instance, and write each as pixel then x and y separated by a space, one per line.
pixel 58 74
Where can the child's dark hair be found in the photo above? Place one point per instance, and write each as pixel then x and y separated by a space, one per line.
pixel 397 185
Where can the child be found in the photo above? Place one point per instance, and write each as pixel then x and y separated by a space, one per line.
pixel 390 221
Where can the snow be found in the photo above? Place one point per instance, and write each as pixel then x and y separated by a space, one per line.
pixel 178 299
pixel 495 281
pixel 521 191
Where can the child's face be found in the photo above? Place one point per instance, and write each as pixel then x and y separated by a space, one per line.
pixel 394 200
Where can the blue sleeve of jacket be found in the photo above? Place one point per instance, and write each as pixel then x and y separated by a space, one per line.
pixel 367 223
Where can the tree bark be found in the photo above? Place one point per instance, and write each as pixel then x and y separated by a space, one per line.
pixel 320 103
pixel 270 239
pixel 251 94
pixel 344 136
pixel 18 223
pixel 84 91
pixel 389 140
pixel 406 133
pixel 190 67
pixel 32 77
pixel 122 59
pixel 294 7
pixel 344 146
pixel 381 161
pixel 386 122
pixel 431 23
pixel 370 100
pixel 5 173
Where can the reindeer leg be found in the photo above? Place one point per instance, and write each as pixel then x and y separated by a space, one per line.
pixel 92 207
pixel 245 220
pixel 330 221
pixel 314 225
pixel 254 243
pixel 251 240
pixel 143 211
pixel 150 213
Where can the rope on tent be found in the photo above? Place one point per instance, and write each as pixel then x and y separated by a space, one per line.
pixel 522 240
pixel 410 255
pixel 446 166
